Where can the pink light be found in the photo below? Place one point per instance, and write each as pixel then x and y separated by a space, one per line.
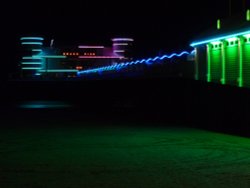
pixel 122 39
pixel 101 57
pixel 91 47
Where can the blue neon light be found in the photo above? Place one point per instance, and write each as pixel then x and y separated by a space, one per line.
pixel 31 68
pixel 59 70
pixel 32 43
pixel 50 56
pixel 148 61
pixel 223 37
pixel 37 50
pixel 32 38
pixel 31 63
pixel 32 57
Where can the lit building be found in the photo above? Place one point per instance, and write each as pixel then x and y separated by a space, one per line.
pixel 41 61
pixel 223 55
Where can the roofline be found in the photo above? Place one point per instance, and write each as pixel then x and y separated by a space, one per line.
pixel 222 37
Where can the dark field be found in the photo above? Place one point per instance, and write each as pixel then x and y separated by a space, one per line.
pixel 133 133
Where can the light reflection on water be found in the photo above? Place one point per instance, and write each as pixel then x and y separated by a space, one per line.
pixel 44 104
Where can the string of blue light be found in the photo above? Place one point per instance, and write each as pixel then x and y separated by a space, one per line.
pixel 119 66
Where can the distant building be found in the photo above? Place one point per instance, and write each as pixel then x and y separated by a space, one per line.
pixel 222 55
pixel 66 61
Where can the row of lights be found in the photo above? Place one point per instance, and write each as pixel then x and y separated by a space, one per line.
pixel 89 54
pixel 71 54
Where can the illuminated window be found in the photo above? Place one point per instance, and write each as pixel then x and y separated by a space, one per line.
pixel 67 53
pixel 74 53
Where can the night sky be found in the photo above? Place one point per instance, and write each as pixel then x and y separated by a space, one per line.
pixel 157 26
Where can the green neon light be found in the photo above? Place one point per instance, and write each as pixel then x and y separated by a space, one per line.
pixel 32 57
pixel 52 56
pixel 32 43
pixel 232 64
pixel 32 38
pixel 31 68
pixel 223 56
pixel 196 65
pixel 240 64
pixel 220 38
pixel 218 24
pixel 216 42
pixel 246 64
pixel 232 39
pixel 215 65
pixel 31 63
pixel 248 15
pixel 208 64
pixel 59 70
pixel 37 50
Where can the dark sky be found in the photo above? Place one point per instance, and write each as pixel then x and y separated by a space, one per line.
pixel 156 25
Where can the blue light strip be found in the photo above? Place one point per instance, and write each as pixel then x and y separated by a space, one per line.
pixel 223 37
pixel 32 38
pixel 31 68
pixel 32 58
pixel 148 61
pixel 32 43
pixel 50 56
pixel 59 70
pixel 37 50
pixel 31 63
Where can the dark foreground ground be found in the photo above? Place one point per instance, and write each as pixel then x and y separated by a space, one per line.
pixel 124 133
pixel 121 155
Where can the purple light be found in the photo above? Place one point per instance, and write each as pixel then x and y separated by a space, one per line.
pixel 123 39
pixel 101 57
pixel 91 47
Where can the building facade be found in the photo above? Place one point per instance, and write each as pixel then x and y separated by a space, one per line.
pixel 223 57
pixel 66 61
